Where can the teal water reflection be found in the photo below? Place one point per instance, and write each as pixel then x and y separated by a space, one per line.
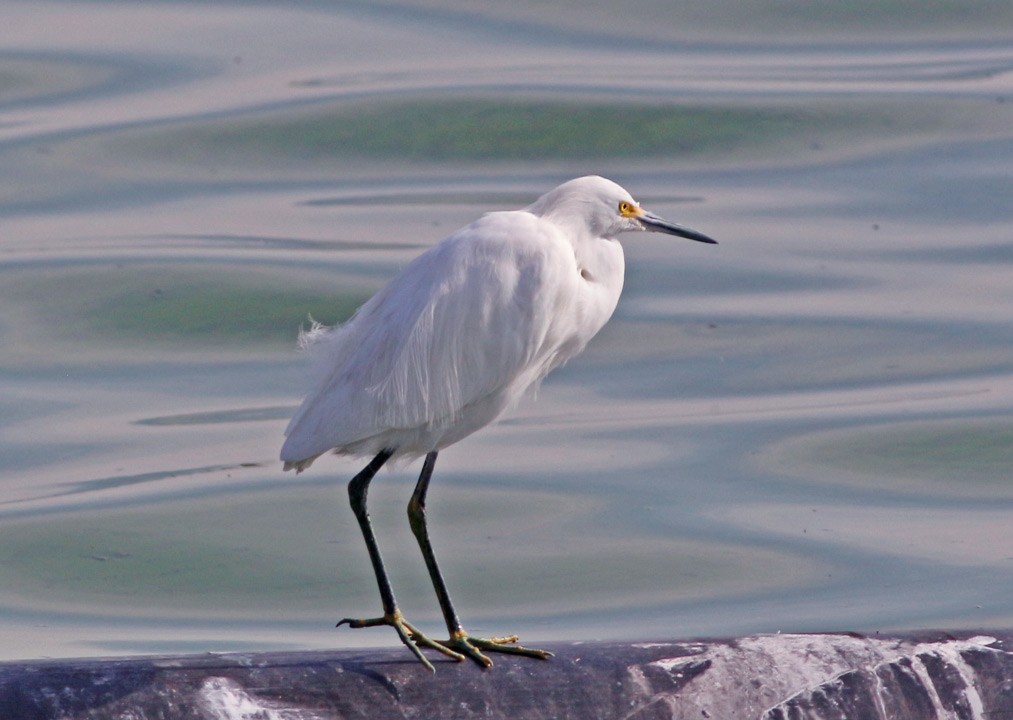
pixel 806 429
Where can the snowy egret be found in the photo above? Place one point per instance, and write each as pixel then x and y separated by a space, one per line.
pixel 454 341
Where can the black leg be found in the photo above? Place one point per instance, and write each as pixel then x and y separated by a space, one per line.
pixel 417 520
pixel 459 642
pixel 357 489
pixel 410 636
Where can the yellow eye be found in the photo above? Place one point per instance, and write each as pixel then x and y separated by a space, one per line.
pixel 626 209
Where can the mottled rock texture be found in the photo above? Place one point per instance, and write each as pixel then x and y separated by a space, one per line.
pixel 767 677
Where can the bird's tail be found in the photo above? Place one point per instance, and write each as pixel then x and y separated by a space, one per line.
pixel 309 338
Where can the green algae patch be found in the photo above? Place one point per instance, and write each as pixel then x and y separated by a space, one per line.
pixel 939 459
pixel 484 130
pixel 175 304
pixel 458 129
pixel 196 309
pixel 980 453
pixel 217 555
pixel 361 134
pixel 296 551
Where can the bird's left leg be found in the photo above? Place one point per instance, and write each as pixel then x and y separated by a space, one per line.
pixel 460 641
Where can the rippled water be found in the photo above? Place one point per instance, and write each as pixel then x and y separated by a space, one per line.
pixel 808 427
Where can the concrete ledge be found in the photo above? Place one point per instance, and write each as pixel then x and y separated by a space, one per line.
pixel 768 677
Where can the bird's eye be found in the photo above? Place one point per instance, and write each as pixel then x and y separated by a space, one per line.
pixel 626 209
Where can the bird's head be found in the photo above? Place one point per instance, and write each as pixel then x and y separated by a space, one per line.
pixel 606 209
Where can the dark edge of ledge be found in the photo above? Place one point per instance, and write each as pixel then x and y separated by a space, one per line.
pixel 770 677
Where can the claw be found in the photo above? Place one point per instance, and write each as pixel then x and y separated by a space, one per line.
pixel 472 647
pixel 411 636
pixel 458 647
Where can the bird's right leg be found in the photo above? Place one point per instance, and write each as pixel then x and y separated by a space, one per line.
pixel 460 641
pixel 409 635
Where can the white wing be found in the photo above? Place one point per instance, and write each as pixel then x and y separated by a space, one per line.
pixel 475 320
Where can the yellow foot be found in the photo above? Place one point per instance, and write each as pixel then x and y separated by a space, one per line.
pixel 466 646
pixel 410 635
pixel 458 647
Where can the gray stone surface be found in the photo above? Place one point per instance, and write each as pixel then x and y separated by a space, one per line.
pixel 767 677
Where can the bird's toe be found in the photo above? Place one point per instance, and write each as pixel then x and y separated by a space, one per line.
pixel 473 647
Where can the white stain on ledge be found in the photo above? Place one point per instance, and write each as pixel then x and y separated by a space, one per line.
pixel 225 699
pixel 950 654
pixel 766 671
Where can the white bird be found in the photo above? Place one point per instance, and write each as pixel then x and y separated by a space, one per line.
pixel 453 342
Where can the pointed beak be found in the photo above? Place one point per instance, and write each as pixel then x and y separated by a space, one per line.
pixel 652 222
